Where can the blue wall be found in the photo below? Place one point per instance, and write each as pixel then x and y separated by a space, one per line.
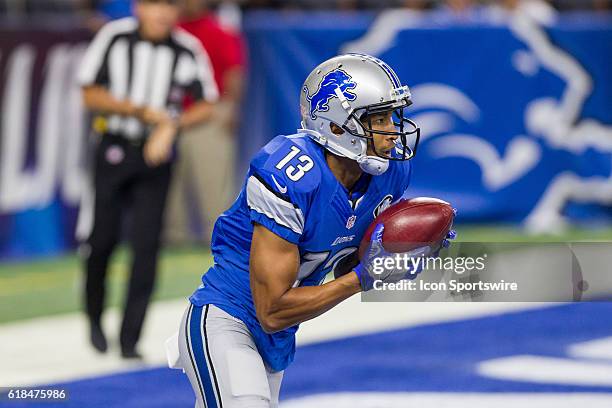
pixel 516 117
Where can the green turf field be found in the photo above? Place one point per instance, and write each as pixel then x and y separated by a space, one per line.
pixel 53 286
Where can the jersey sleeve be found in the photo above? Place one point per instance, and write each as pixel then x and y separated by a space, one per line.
pixel 279 193
pixel 194 69
pixel 93 68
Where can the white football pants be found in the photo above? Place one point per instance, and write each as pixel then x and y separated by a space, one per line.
pixel 218 354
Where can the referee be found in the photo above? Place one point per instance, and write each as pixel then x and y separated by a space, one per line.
pixel 136 75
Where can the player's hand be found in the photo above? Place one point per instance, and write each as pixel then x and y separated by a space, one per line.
pixel 158 148
pixel 371 267
pixel 446 242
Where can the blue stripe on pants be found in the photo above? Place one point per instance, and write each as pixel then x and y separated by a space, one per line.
pixel 195 336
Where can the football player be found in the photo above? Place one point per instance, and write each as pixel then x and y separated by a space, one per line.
pixel 306 202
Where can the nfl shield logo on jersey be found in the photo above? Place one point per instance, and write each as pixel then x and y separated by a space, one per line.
pixel 351 221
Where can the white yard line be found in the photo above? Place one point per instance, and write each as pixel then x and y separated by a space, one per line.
pixel 451 400
pixel 55 349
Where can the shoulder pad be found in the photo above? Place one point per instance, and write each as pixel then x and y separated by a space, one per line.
pixel 291 164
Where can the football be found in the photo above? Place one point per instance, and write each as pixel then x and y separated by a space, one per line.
pixel 411 223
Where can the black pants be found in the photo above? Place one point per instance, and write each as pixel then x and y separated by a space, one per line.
pixel 123 181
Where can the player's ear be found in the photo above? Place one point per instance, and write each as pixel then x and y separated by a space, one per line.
pixel 336 130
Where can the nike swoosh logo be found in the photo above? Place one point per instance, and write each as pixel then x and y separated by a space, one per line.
pixel 283 190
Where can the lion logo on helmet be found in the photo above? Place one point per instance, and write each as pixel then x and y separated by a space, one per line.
pixel 319 101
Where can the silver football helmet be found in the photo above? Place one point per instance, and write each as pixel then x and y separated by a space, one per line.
pixel 346 90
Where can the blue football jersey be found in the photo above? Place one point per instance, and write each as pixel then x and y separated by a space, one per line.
pixel 290 190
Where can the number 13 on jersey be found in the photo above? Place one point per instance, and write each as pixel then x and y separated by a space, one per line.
pixel 295 172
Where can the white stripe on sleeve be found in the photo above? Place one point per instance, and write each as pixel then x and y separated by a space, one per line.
pixel 262 200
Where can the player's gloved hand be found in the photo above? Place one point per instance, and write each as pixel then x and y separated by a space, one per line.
pixel 446 242
pixel 372 266
pixel 452 234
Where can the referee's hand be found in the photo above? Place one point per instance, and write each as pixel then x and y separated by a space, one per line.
pixel 158 147
pixel 152 116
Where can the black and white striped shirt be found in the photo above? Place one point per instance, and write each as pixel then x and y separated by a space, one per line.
pixel 156 75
